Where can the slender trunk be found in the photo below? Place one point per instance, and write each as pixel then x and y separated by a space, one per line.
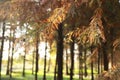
pixel 2 46
pixel 37 55
pixel 45 61
pixel 49 65
pixel 49 62
pixel 111 46
pixel 24 57
pixel 55 70
pixel 13 43
pixel 105 46
pixel 8 62
pixel 33 63
pixel 105 55
pixel 99 61
pixel 67 62
pixel 80 64
pixel 85 65
pixel 60 51
pixel 92 73
pixel 24 60
pixel 72 59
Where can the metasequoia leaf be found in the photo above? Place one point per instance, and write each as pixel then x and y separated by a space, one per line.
pixel 58 16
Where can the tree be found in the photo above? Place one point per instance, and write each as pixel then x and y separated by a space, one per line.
pixel 9 51
pixel 2 45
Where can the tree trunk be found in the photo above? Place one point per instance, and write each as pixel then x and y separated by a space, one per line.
pixel 13 43
pixel 72 59
pixel 24 60
pixel 67 72
pixel 49 62
pixel 105 55
pixel 33 64
pixel 80 64
pixel 60 51
pixel 2 46
pixel 99 57
pixel 37 55
pixel 56 67
pixel 9 51
pixel 92 73
pixel 45 61
pixel 49 65
pixel 85 65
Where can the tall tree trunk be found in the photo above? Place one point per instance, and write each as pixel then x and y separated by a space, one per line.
pixel 56 66
pixel 85 65
pixel 72 59
pixel 33 63
pixel 105 55
pixel 2 46
pixel 60 51
pixel 48 69
pixel 99 57
pixel 24 60
pixel 13 43
pixel 111 46
pixel 45 61
pixel 67 72
pixel 105 46
pixel 37 55
pixel 101 60
pixel 25 47
pixel 9 51
pixel 49 62
pixel 92 73
pixel 80 64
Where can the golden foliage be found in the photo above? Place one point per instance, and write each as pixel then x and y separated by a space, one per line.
pixel 93 57
pixel 114 74
pixel 116 44
pixel 92 34
pixel 58 16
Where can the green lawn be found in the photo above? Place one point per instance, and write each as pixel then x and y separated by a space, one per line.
pixel 29 76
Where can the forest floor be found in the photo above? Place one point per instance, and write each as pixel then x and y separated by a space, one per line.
pixel 17 73
pixel 29 76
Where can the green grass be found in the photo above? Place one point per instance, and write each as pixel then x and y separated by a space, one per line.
pixel 29 76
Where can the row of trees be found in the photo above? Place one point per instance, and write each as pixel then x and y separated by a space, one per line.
pixel 91 24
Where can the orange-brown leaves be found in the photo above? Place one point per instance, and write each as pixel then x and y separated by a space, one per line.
pixel 92 34
pixel 57 16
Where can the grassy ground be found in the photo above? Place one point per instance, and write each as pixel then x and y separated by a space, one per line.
pixel 17 74
pixel 29 76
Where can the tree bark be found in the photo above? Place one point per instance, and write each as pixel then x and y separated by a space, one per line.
pixel 45 61
pixel 80 63
pixel 37 55
pixel 13 43
pixel 49 65
pixel 60 51
pixel 67 68
pixel 56 66
pixel 24 61
pixel 105 55
pixel 33 63
pixel 72 59
pixel 2 46
pixel 99 58
pixel 9 51
pixel 85 67
pixel 92 73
